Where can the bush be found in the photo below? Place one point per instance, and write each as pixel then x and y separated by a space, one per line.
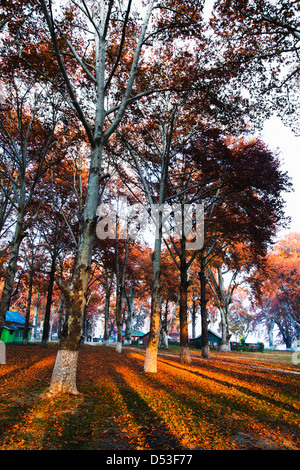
pixel 248 347
pixel 261 347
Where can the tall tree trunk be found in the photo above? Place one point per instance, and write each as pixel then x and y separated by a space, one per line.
pixel 173 314
pixel 224 311
pixel 150 364
pixel 119 317
pixel 286 336
pixel 194 315
pixel 28 306
pixel 120 291
pixel 106 309
pixel 64 373
pixel 46 327
pixel 36 316
pixel 288 342
pixel 185 355
pixel 225 342
pixel 128 329
pixel 204 324
pixel 163 335
pixel 270 327
pixel 60 317
pixel 11 270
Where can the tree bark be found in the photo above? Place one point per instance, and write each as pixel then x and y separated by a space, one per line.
pixel 163 335
pixel 128 329
pixel 204 325
pixel 36 316
pixel 108 287
pixel 224 311
pixel 119 318
pixel 225 342
pixel 194 315
pixel 46 327
pixel 60 318
pixel 185 356
pixel 150 364
pixel 27 314
pixel 64 373
pixel 11 269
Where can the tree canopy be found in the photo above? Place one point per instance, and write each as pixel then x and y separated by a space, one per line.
pixel 111 100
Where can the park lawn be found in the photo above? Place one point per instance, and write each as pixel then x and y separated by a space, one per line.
pixel 218 404
pixel 286 360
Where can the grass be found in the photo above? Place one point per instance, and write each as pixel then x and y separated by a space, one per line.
pixel 218 404
pixel 280 359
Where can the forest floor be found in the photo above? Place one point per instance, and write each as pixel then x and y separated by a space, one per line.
pixel 228 402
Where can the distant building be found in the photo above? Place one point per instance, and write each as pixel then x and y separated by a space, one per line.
pixel 144 339
pixel 135 336
pixel 214 340
pixel 13 328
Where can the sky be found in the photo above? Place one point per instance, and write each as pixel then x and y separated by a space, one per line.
pixel 277 136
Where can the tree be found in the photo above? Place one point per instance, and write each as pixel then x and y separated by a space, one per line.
pixel 278 295
pixel 239 207
pixel 224 298
pixel 28 138
pixel 6 208
pixel 226 273
pixel 265 36
pixel 112 37
pixel 241 318
pixel 33 254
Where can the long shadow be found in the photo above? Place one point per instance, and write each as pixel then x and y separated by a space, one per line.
pixel 278 385
pixel 14 415
pixel 247 391
pixel 111 434
pixel 153 430
pixel 254 378
pixel 14 408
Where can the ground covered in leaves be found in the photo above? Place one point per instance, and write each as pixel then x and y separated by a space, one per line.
pixel 221 403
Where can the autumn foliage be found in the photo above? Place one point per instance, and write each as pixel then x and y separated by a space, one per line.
pixel 225 403
pixel 156 104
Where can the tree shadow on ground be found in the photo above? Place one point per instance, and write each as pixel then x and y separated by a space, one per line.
pixel 264 398
pixel 153 431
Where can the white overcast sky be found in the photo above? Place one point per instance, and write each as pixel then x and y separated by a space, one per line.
pixel 276 135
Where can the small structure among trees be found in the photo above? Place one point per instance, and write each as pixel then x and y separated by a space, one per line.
pixel 214 340
pixel 13 328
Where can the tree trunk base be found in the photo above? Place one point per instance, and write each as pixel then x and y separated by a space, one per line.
pixel 205 352
pixel 119 347
pixel 150 364
pixel 63 378
pixel 225 347
pixel 185 355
